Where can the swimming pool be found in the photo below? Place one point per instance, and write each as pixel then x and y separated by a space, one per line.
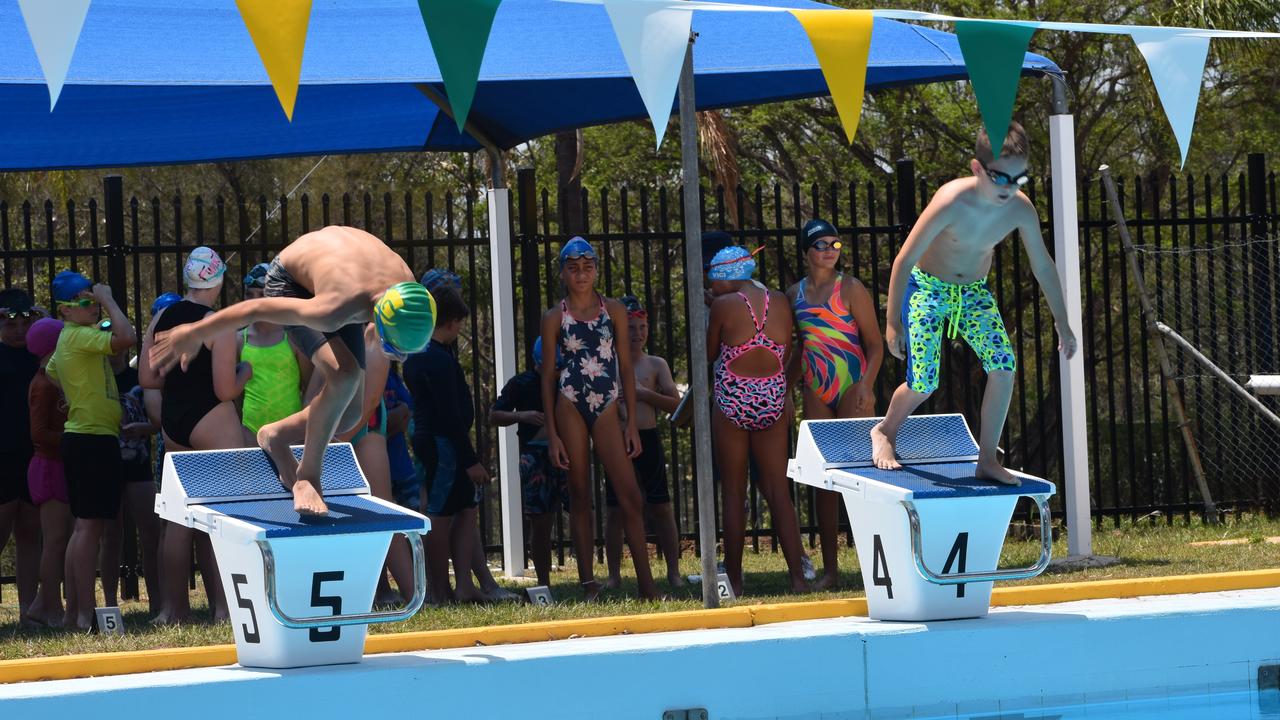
pixel 1169 656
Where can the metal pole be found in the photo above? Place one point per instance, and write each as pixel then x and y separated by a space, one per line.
pixel 698 381
pixel 1166 369
pixel 505 354
pixel 1066 244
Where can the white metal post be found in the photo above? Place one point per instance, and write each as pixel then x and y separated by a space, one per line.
pixel 1066 240
pixel 505 353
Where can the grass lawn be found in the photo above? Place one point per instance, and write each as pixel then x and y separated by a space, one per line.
pixel 1147 548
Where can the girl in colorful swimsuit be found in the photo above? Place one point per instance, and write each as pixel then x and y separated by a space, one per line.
pixel 591 334
pixel 747 339
pixel 838 351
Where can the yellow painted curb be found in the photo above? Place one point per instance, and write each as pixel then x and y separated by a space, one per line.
pixel 123 663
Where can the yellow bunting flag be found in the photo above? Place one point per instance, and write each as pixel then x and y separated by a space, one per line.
pixel 279 31
pixel 842 41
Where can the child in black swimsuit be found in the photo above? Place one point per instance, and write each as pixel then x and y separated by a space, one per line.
pixel 591 335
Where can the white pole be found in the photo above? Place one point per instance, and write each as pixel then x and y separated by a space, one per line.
pixel 504 353
pixel 1066 240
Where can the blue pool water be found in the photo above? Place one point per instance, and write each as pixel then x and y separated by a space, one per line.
pixel 1243 705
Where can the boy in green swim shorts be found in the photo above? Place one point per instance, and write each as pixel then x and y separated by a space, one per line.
pixel 939 289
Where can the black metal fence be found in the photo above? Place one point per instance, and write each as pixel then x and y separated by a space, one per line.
pixel 1135 467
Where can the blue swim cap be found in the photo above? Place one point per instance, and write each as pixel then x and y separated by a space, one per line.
pixel 68 284
pixel 164 301
pixel 576 248
pixel 732 263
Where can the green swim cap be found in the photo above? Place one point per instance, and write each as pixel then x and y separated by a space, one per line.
pixel 406 316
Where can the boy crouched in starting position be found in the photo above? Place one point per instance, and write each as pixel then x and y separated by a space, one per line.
pixel 939 287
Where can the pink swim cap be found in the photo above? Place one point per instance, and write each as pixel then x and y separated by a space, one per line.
pixel 42 336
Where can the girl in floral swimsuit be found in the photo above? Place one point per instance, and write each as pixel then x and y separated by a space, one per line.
pixel 590 332
pixel 747 339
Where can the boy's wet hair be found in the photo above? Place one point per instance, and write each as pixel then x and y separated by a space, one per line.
pixel 449 305
pixel 1015 144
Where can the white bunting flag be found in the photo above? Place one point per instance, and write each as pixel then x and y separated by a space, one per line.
pixel 54 27
pixel 653 39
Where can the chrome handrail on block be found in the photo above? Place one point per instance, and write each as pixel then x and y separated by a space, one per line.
pixel 1046 550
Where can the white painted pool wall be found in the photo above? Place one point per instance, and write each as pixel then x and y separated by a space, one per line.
pixel 845 668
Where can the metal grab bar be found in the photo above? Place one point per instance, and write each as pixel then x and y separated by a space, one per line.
pixel 419 593
pixel 1046 549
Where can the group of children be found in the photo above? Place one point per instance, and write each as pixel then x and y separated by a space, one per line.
pixel 822 334
pixel 309 356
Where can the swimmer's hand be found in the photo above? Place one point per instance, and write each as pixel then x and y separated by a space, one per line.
pixel 178 346
pixel 1067 341
pixel 895 339
pixel 556 453
pixel 478 475
pixel 632 440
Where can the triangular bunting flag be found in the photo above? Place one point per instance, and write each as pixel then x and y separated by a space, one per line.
pixel 1176 61
pixel 54 27
pixel 279 32
pixel 654 39
pixel 459 32
pixel 842 41
pixel 993 54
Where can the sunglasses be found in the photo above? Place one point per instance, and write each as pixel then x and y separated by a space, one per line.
pixel 24 314
pixel 824 245
pixel 1003 179
pixel 79 302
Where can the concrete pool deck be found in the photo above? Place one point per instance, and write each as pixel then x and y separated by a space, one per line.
pixel 1031 656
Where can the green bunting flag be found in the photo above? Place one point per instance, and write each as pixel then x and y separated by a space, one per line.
pixel 459 32
pixel 993 54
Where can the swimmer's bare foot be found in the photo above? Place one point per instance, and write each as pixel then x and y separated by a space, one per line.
pixel 167 618
pixel 281 455
pixel 676 580
pixel 591 590
pixel 829 581
pixel 613 582
pixel 993 470
pixel 306 501
pixel 883 452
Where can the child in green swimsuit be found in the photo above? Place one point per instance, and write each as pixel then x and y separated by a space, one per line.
pixel 938 287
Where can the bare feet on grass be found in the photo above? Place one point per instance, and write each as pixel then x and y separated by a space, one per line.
pixel 993 470
pixel 613 582
pixel 829 581
pixel 883 452
pixel 591 590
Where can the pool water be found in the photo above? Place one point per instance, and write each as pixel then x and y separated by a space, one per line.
pixel 1242 705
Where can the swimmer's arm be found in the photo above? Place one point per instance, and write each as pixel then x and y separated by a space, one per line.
pixel 930 224
pixel 228 379
pixel 148 378
pixel 622 346
pixel 784 308
pixel 794 367
pixel 858 300
pixel 122 333
pixel 667 395
pixel 1043 268
pixel 550 342
pixel 375 379
pixel 321 313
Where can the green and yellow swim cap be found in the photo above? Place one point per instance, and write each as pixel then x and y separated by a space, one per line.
pixel 405 317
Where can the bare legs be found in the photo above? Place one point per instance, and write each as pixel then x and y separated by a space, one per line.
pixel 995 409
pixel 337 407
pixel 55 525
pixel 540 526
pixel 769 449
pixel 23 520
pixel 662 518
pixel 606 434
pixel 371 453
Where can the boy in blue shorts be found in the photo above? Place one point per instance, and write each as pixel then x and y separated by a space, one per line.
pixel 939 288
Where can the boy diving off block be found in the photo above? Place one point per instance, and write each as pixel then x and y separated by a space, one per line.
pixel 939 288
pixel 325 287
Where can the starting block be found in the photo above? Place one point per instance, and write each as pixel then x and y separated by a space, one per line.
pixel 300 589
pixel 928 535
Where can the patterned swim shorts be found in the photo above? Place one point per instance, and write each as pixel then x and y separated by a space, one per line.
pixel 934 308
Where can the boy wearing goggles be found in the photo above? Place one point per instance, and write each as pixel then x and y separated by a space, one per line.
pixel 939 288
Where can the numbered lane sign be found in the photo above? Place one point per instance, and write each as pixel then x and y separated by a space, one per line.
pixel 540 595
pixel 110 620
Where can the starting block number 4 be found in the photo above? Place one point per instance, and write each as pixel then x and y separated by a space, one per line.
pixel 955 563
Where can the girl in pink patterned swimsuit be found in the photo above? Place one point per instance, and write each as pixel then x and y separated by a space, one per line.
pixel 590 332
pixel 747 339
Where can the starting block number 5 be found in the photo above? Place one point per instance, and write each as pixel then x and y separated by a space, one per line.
pixel 956 559
pixel 315 635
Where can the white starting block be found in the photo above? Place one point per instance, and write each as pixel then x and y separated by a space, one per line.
pixel 928 535
pixel 1264 384
pixel 300 589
